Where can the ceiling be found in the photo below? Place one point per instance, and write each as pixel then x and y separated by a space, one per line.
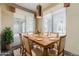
pixel 32 6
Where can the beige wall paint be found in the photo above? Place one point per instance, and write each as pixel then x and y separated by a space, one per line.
pixel 6 17
pixel 72 41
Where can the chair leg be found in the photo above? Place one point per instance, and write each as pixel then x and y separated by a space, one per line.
pixel 63 53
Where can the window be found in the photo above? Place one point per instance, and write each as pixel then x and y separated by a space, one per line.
pixel 24 24
pixel 59 21
pixel 30 24
pixel 55 22
pixel 19 26
pixel 47 23
pixel 23 27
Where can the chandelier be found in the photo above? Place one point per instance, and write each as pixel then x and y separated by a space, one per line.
pixel 38 13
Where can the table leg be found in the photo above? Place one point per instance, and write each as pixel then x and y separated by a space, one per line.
pixel 45 52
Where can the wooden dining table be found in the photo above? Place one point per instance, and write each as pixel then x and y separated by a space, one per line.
pixel 44 42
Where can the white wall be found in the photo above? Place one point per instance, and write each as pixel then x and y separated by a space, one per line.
pixel 72 41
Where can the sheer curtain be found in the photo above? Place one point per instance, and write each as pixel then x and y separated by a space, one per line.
pixel 30 24
pixel 47 23
pixel 59 21
pixel 55 22
pixel 22 24
pixel 18 27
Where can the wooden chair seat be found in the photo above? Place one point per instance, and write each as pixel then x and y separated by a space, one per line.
pixel 45 34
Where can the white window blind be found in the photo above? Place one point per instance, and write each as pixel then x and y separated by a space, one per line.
pixel 30 24
pixel 59 21
pixel 55 22
pixel 47 23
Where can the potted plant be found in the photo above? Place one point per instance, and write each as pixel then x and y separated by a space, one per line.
pixel 7 38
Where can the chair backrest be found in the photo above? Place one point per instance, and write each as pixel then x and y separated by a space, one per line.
pixel 54 35
pixel 45 34
pixel 30 33
pixel 26 44
pixel 61 45
pixel 35 34
pixel 20 35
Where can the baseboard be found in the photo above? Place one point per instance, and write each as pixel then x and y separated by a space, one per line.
pixel 69 53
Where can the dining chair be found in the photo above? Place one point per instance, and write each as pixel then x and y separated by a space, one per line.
pixel 44 34
pixel 36 35
pixel 28 49
pixel 16 52
pixel 26 44
pixel 32 44
pixel 30 33
pixel 59 51
pixel 53 34
pixel 21 44
pixel 24 47
pixel 61 45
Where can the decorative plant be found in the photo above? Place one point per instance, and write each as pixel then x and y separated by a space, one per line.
pixel 7 35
